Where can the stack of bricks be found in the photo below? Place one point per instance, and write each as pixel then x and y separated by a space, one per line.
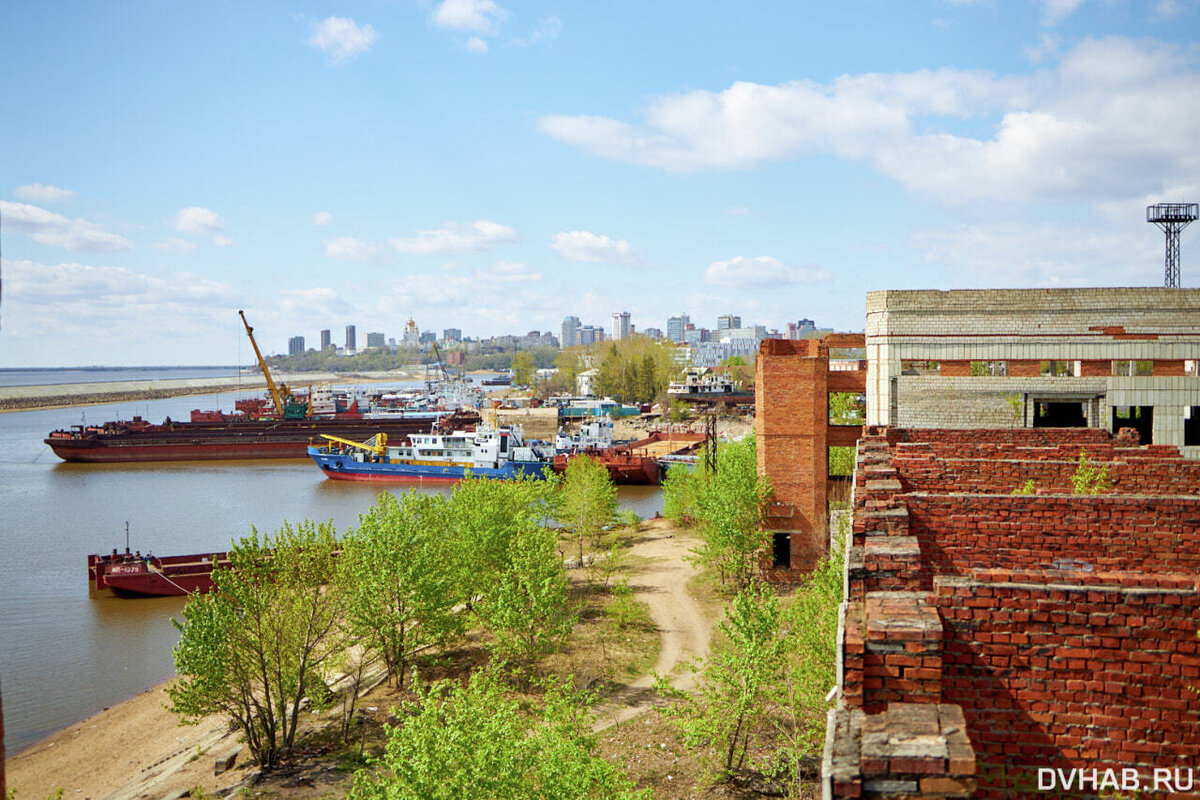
pixel 1061 629
pixel 908 751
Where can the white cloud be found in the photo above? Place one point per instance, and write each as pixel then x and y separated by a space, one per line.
pixel 548 29
pixel 54 229
pixel 508 272
pixel 83 294
pixel 341 38
pixel 222 241
pixel 175 245
pixel 314 303
pixel 1168 9
pixel 476 45
pixel 1021 254
pixel 1046 48
pixel 347 248
pixel 198 220
pixel 474 16
pixel 1055 11
pixel 1089 128
pixel 738 211
pixel 42 193
pixel 759 272
pixel 456 237
pixel 322 219
pixel 588 246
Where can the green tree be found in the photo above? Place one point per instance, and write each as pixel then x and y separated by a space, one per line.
pixel 1089 479
pixel 254 648
pixel 523 368
pixel 610 375
pixel 737 681
pixel 473 743
pixel 727 507
pixel 809 624
pixel 484 518
pixel 396 573
pixel 587 499
pixel 526 608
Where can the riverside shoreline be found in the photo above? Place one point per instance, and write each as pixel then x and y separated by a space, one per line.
pixel 34 398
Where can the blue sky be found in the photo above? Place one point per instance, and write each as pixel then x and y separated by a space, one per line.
pixel 495 165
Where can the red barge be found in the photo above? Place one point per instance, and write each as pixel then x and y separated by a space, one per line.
pixel 231 436
pixel 281 429
pixel 135 575
pixel 637 463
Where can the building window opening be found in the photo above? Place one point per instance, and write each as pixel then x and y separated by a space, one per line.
pixel 914 367
pixel 1059 415
pixel 847 408
pixel 994 369
pixel 1056 369
pixel 1189 367
pixel 1140 418
pixel 781 551
pixel 1191 426
pixel 1133 369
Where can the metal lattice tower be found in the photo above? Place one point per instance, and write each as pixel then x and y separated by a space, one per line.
pixel 1172 218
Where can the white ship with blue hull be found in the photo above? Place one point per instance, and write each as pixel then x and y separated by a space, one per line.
pixel 486 452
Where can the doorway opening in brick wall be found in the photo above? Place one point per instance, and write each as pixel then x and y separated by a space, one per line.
pixel 781 551
pixel 1059 414
pixel 1140 418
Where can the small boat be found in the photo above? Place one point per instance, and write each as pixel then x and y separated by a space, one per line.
pixel 131 574
pixel 702 384
pixel 486 452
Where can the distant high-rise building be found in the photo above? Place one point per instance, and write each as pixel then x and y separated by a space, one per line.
pixel 590 334
pixel 676 326
pixel 653 333
pixel 797 330
pixel 375 339
pixel 620 325
pixel 295 345
pixel 326 339
pixel 351 339
pixel 728 321
pixel 428 337
pixel 452 335
pixel 694 335
pixel 570 332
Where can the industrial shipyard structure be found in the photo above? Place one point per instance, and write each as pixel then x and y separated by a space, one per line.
pixel 998 644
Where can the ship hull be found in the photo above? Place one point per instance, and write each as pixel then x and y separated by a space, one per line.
pixel 343 467
pixel 623 468
pixel 263 439
pixel 130 575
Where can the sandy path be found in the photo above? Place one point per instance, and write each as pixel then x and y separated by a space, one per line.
pixel 682 623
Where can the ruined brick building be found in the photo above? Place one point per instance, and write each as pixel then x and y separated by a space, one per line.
pixel 989 637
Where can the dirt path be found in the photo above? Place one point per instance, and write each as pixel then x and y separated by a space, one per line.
pixel 684 626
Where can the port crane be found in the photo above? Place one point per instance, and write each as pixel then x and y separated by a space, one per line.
pixel 277 397
pixel 377 444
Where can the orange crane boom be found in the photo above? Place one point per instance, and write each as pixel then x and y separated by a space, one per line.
pixel 262 364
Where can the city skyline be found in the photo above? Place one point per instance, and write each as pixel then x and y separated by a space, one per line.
pixel 495 165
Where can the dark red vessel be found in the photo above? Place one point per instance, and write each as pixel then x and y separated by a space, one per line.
pixel 215 436
pixel 135 575
pixel 637 463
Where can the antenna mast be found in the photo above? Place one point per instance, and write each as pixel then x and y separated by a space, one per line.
pixel 1172 218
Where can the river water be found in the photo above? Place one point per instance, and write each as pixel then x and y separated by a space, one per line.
pixel 67 652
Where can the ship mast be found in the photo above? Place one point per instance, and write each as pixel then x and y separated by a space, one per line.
pixel 262 364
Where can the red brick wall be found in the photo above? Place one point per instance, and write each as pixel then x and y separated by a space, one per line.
pixel 954 369
pixel 961 532
pixel 1168 368
pixel 1095 369
pixel 1051 674
pixel 1024 369
pixel 1002 476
